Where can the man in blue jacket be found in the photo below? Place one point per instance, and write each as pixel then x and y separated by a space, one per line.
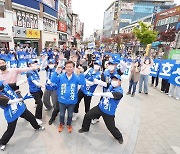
pixel 13 109
pixel 67 90
pixel 106 108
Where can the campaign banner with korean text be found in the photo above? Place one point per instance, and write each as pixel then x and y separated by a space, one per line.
pixel 155 67
pixel 166 68
pixel 175 75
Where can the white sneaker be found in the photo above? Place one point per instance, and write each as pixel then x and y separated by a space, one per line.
pixel 3 147
pixel 75 116
pixel 170 95
pixel 39 122
pixel 94 121
pixel 41 128
pixel 177 98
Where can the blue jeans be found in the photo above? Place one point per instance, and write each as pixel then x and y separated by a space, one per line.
pixel 132 84
pixel 70 109
pixel 143 78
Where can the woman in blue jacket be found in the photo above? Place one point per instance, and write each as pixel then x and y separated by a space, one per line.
pixel 13 109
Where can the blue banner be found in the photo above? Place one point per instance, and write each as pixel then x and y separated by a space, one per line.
pixel 166 68
pixel 155 68
pixel 175 76
pixel 13 64
pixel 22 64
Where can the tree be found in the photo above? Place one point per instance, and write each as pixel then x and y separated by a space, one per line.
pixel 144 34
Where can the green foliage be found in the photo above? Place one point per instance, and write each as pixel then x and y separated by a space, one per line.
pixel 144 34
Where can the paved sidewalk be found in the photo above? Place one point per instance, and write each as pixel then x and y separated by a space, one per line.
pixel 149 124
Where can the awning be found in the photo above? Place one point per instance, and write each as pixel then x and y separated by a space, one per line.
pixel 5 38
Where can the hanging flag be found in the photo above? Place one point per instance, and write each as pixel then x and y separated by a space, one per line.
pixel 166 68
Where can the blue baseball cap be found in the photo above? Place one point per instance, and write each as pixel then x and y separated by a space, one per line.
pixel 52 61
pixel 98 62
pixel 117 76
pixel 113 62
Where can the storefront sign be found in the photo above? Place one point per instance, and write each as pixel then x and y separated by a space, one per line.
pixel 62 37
pixel 19 32
pixel 62 26
pixel 25 19
pixel 31 33
pixel 49 25
pixel 62 14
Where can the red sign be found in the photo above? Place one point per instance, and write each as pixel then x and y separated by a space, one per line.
pixel 62 26
pixel 2 28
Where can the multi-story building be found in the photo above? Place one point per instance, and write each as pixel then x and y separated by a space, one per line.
pixel 111 20
pixel 38 23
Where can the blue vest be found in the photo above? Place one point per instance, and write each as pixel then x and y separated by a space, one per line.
pixel 27 56
pixel 33 55
pixel 21 55
pixel 107 77
pixel 91 75
pixel 49 73
pixel 109 105
pixel 11 56
pixel 33 75
pixel 12 115
pixel 67 90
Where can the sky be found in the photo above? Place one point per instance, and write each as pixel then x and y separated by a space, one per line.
pixel 91 12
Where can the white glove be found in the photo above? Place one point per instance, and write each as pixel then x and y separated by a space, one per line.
pixel 48 81
pixel 37 84
pixel 15 100
pixel 106 94
pixel 100 82
pixel 89 83
pixel 21 82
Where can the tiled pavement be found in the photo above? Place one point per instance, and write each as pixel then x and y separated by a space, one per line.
pixel 149 124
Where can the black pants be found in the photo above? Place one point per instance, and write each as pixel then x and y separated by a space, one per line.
pixel 12 125
pixel 95 113
pixel 87 101
pixel 157 81
pixel 38 100
pixel 165 85
pixel 55 111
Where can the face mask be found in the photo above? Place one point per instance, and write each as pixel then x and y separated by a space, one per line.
pixel 11 51
pixel 51 66
pixel 55 53
pixel 110 67
pixel 3 67
pixel 114 83
pixel 96 67
pixel 2 52
pixel 147 62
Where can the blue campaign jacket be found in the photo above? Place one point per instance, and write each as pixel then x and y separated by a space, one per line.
pixel 109 105
pixel 49 73
pixel 12 115
pixel 33 75
pixel 107 78
pixel 67 90
pixel 91 75
pixel 11 56
pixel 21 55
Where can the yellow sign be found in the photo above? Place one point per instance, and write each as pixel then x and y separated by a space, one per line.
pixel 31 33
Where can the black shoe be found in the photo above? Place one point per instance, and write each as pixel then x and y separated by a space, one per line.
pixel 120 141
pixel 82 131
pixel 139 91
pixel 146 93
pixel 128 93
pixel 51 121
pixel 132 95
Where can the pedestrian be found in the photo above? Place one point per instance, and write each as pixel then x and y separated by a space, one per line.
pixel 165 86
pixel 106 108
pixel 146 65
pixel 90 75
pixel 67 90
pixel 13 109
pixel 174 91
pixel 35 89
pixel 134 77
